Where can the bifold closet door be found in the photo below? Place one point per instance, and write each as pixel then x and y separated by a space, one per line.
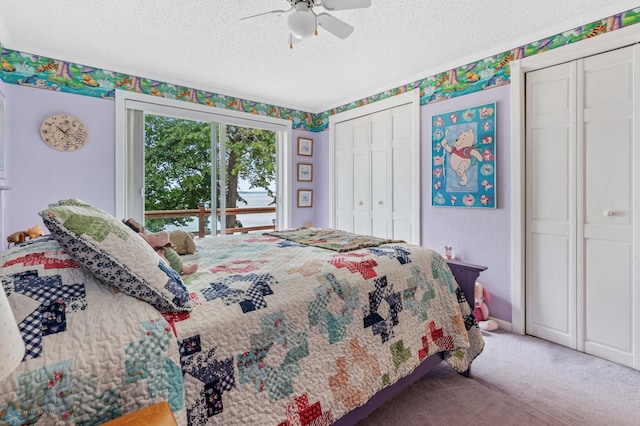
pixel 404 203
pixel 344 176
pixel 581 184
pixel 551 204
pixel 381 175
pixel 377 174
pixel 362 175
pixel 609 191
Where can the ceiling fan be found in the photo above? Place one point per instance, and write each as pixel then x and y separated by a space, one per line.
pixel 304 20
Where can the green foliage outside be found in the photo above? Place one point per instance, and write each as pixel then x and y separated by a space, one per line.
pixel 178 166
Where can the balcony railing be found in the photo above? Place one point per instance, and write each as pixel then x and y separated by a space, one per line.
pixel 201 213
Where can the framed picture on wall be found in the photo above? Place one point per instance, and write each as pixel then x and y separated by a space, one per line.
pixel 305 172
pixel 305 146
pixel 464 157
pixel 305 197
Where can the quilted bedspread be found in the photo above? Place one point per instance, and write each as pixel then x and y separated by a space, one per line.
pixel 285 334
pixel 280 333
pixel 91 354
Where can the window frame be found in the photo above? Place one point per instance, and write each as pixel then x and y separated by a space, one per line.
pixel 131 101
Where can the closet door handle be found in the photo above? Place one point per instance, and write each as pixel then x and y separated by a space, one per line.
pixel 609 213
pixel 360 203
pixel 380 202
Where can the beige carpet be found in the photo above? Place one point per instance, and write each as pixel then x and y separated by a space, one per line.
pixel 519 380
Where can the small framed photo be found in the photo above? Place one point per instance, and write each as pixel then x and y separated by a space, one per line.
pixel 305 197
pixel 305 172
pixel 305 146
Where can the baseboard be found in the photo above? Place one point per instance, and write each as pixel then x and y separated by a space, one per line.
pixel 504 325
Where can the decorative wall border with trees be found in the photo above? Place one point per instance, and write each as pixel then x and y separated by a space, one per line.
pixel 52 74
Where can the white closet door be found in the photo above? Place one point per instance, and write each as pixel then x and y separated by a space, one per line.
pixel 361 175
pixel 381 174
pixel 581 277
pixel 551 201
pixel 405 176
pixel 344 175
pixel 608 177
pixel 376 169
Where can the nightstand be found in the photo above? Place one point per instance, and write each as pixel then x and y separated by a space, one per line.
pixel 466 275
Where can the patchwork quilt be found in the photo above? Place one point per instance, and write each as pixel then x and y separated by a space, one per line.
pixel 281 333
pixel 92 353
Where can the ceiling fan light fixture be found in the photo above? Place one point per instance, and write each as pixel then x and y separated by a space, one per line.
pixel 302 22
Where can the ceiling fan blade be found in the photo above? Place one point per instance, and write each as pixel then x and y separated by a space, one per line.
pixel 334 25
pixel 266 13
pixel 345 4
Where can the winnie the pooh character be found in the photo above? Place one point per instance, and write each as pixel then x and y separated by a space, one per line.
pixel 461 153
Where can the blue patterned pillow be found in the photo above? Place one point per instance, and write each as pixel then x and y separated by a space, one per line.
pixel 115 254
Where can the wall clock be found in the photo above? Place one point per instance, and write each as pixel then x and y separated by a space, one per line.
pixel 63 132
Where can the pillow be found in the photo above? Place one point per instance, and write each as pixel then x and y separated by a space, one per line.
pixel 115 254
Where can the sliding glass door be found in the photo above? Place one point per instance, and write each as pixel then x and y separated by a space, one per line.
pixel 187 163
pixel 182 166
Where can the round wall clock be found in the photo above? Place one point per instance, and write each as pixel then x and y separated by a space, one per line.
pixel 63 132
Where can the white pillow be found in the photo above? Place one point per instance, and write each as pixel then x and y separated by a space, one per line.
pixel 115 254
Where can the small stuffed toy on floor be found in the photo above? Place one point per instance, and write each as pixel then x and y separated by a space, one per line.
pixel 161 243
pixel 481 311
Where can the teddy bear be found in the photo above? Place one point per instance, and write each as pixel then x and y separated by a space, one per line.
pixel 182 242
pixel 461 153
pixel 481 311
pixel 161 243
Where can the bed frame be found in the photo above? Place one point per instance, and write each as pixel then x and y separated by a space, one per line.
pixel 465 275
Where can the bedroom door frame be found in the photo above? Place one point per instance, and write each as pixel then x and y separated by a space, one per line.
pixel 131 101
pixel 614 40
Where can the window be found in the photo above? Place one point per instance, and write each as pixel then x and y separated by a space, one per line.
pixel 131 109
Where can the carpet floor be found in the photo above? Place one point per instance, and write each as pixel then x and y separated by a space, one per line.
pixel 519 380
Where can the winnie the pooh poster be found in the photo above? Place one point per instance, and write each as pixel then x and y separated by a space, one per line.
pixel 463 158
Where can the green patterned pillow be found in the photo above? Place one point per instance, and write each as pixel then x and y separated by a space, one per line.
pixel 115 254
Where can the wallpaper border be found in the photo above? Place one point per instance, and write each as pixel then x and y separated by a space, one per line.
pixel 51 74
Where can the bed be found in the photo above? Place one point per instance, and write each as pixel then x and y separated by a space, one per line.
pixel 296 327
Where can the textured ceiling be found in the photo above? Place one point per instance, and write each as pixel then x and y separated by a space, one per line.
pixel 204 44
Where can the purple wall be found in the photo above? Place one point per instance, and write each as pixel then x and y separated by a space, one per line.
pixel 479 236
pixel 39 174
pixel 319 214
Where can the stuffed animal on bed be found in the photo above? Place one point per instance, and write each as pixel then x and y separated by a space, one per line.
pixel 34 232
pixel 161 243
pixel 20 236
pixel 182 241
pixel 481 311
